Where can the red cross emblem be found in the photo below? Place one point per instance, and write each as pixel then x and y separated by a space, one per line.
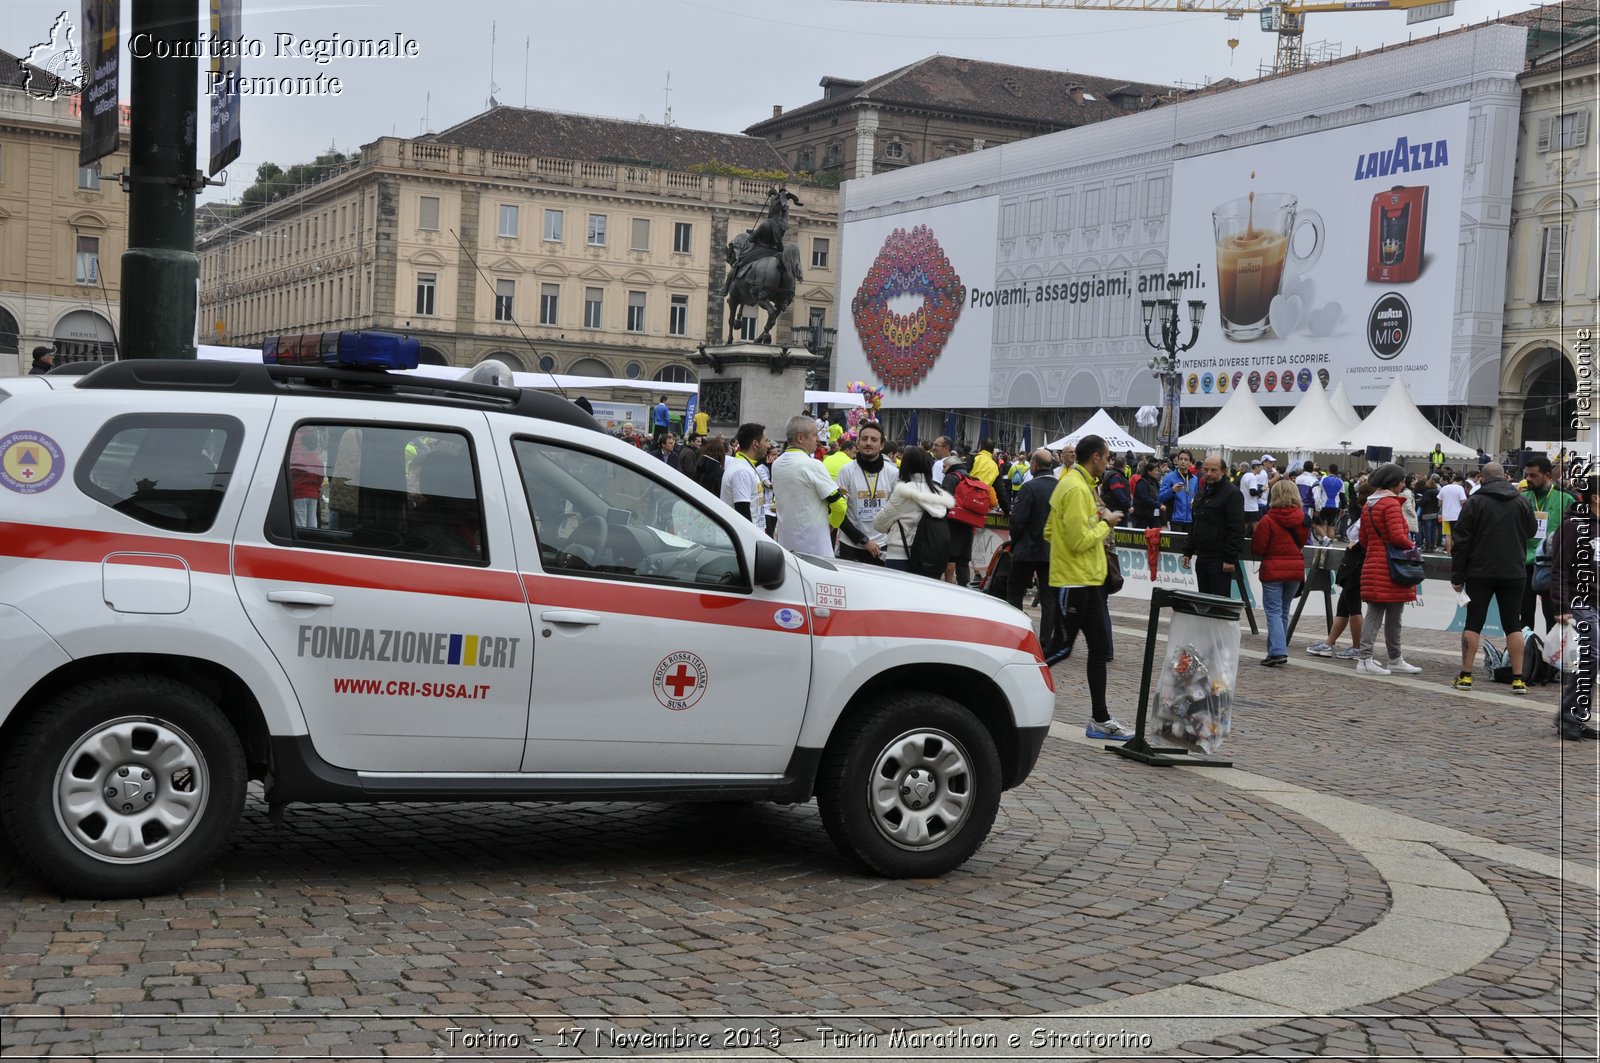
pixel 680 680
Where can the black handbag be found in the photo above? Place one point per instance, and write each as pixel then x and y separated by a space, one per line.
pixel 1405 562
pixel 1114 580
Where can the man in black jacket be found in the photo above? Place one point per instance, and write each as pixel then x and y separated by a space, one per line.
pixel 1216 538
pixel 1490 541
pixel 1030 552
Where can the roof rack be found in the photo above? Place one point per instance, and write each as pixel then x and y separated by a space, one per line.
pixel 167 374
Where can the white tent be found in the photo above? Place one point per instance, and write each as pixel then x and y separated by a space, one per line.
pixel 1340 401
pixel 1240 423
pixel 1101 424
pixel 836 398
pixel 1396 422
pixel 1314 426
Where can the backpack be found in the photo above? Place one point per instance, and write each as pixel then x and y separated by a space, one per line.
pixel 1541 566
pixel 1536 670
pixel 1496 662
pixel 929 552
pixel 996 580
pixel 973 501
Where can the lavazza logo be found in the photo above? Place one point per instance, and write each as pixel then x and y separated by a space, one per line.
pixel 54 67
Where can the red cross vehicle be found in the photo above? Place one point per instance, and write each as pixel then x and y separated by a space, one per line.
pixel 355 583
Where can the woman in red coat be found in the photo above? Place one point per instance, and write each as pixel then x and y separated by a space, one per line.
pixel 1383 524
pixel 1277 541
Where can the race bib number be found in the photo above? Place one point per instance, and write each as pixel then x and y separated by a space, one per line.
pixel 1543 527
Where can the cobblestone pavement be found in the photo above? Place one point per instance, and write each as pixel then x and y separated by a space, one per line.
pixel 468 931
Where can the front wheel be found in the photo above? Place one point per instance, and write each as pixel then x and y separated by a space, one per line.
pixel 123 786
pixel 911 787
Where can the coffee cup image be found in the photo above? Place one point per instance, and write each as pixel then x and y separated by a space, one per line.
pixel 1259 240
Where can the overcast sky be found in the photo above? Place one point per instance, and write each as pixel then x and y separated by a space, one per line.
pixel 728 61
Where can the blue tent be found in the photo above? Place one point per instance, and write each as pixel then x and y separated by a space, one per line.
pixel 1027 438
pixel 911 430
pixel 950 424
pixel 983 428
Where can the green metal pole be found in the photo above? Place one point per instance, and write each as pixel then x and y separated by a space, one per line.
pixel 160 270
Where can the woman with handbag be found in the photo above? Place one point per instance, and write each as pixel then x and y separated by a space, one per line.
pixel 1383 525
pixel 1278 540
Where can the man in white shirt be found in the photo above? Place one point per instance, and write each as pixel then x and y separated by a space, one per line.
pixel 1452 496
pixel 804 492
pixel 866 483
pixel 1253 485
pixel 940 449
pixel 741 484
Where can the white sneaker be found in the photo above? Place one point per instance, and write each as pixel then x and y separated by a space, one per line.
pixel 1370 666
pixel 1404 667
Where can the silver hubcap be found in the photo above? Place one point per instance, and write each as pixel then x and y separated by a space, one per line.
pixel 130 789
pixel 921 789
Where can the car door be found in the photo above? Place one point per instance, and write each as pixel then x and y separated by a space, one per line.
pixel 655 653
pixel 383 577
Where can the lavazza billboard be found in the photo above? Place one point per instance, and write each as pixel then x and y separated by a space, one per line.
pixel 1348 223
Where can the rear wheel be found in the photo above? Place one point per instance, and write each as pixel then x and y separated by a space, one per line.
pixel 123 786
pixel 911 787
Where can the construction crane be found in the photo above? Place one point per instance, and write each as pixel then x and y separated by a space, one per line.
pixel 1287 20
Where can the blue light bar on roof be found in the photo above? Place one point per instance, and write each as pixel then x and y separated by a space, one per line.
pixel 351 349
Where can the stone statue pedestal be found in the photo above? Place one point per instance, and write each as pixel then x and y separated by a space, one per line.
pixel 744 382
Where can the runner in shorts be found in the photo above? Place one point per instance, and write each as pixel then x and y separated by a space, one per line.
pixel 1347 611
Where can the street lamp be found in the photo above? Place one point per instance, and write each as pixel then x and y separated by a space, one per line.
pixel 1165 365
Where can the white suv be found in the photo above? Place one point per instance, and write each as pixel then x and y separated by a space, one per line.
pixel 362 585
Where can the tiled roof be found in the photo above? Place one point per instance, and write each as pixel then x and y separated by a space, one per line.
pixel 973 87
pixel 13 74
pixel 584 137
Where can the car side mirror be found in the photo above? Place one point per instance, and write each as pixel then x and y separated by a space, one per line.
pixel 771 565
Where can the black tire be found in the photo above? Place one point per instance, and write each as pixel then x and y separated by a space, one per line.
pixel 930 763
pixel 71 831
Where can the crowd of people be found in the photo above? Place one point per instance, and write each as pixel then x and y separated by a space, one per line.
pixel 861 496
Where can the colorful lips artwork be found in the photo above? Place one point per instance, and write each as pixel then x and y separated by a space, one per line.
pixel 901 348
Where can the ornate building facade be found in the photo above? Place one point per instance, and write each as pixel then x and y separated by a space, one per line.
pixel 63 228
pixel 545 241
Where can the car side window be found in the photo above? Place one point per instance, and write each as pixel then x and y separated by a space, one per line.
pixel 170 471
pixel 384 488
pixel 601 517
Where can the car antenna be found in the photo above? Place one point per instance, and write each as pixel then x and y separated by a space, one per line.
pixel 514 321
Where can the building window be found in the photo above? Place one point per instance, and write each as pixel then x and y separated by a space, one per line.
pixel 815 316
pixel 634 370
pixel 508 220
pixel 802 159
pixel 682 238
pixel 426 283
pixel 1063 212
pixel 819 253
pixel 894 150
pixel 639 237
pixel 555 225
pixel 428 213
pixel 1091 207
pixel 547 364
pixel 1035 217
pixel 597 230
pixel 1564 132
pixel 674 374
pixel 549 304
pixel 86 269
pixel 636 311
pixel 1551 264
pixel 678 316
pixel 89 177
pixel 505 293
pixel 832 155
pixel 1122 205
pixel 1155 196
pixel 593 305
pixel 747 326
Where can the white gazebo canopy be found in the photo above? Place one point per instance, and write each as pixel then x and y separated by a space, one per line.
pixel 1313 427
pixel 1239 424
pixel 1396 422
pixel 1101 424
pixel 1340 401
pixel 836 398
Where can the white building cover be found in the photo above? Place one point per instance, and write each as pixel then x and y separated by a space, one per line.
pixel 1341 405
pixel 1240 423
pixel 1314 426
pixel 1396 422
pixel 1119 439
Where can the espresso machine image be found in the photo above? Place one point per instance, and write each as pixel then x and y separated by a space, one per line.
pixel 1399 224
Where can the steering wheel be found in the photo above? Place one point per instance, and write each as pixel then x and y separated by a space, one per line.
pixel 588 540
pixel 661 564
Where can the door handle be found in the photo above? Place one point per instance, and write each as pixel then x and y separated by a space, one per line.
pixel 570 616
pixel 299 598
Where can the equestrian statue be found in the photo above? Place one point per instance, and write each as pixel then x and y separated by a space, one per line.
pixel 764 270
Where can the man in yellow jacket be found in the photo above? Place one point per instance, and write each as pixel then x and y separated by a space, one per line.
pixel 1077 531
pixel 984 467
